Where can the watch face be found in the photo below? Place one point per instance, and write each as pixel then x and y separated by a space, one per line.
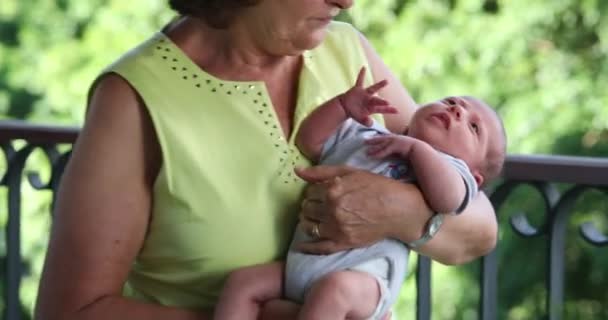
pixel 435 224
pixel 431 229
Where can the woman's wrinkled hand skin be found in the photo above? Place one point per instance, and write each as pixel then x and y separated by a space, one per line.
pixel 352 208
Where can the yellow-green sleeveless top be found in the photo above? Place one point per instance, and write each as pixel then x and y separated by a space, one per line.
pixel 226 196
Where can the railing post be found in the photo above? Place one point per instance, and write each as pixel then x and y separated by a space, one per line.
pixel 14 269
pixel 423 288
pixel 34 136
pixel 488 307
pixel 488 278
pixel 557 245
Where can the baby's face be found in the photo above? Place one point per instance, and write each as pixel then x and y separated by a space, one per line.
pixel 463 127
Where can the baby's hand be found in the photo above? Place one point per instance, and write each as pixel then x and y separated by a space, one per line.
pixel 389 145
pixel 359 102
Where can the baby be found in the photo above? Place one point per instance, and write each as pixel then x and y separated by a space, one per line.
pixel 451 148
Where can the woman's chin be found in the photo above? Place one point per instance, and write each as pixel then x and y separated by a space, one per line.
pixel 312 41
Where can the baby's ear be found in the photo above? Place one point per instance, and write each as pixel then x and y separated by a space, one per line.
pixel 478 178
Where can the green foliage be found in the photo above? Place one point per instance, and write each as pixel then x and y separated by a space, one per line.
pixel 50 51
pixel 540 63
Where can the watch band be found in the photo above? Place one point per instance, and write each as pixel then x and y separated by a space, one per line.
pixel 432 226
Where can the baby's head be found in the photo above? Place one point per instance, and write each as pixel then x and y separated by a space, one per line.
pixel 465 128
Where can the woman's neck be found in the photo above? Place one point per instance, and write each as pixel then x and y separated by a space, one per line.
pixel 232 53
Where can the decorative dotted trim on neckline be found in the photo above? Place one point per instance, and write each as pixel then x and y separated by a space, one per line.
pixel 198 77
pixel 290 158
pixel 288 155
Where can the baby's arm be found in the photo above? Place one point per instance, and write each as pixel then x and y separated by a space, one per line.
pixel 357 103
pixel 441 183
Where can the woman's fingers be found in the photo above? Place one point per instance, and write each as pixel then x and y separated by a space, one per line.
pixel 349 208
pixel 314 228
pixel 322 173
pixel 311 212
pixel 322 233
pixel 321 247
pixel 318 205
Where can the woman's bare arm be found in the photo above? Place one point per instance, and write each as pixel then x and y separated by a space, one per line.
pixel 102 213
pixel 357 208
pixel 466 236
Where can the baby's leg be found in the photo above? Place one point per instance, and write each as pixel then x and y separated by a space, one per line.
pixel 247 289
pixel 340 295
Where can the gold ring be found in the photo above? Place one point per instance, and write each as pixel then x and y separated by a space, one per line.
pixel 315 231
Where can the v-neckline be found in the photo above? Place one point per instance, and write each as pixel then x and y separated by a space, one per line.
pixel 260 85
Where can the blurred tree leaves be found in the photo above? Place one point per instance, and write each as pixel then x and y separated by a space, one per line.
pixel 51 50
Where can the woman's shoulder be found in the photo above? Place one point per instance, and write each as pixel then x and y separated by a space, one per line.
pixel 114 101
pixel 341 52
pixel 342 39
pixel 138 53
pixel 341 29
pixel 131 73
pixel 112 86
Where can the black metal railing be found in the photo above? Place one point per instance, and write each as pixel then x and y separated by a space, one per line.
pixel 543 173
pixel 32 137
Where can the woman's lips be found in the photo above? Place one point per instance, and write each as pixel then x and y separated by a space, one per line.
pixel 324 21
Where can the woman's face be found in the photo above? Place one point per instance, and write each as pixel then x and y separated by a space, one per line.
pixel 288 27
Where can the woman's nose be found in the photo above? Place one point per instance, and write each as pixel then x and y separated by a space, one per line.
pixel 342 4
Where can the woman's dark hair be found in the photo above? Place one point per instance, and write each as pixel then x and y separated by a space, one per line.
pixel 216 13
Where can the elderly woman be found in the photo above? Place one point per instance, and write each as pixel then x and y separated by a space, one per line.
pixel 184 170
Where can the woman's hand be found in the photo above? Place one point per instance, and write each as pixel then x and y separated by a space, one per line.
pixel 354 208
